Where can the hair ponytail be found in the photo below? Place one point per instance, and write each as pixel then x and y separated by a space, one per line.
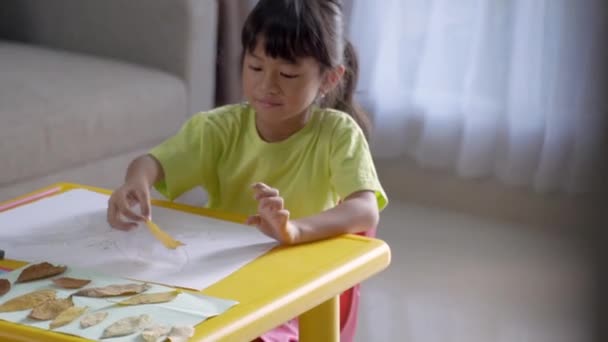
pixel 342 97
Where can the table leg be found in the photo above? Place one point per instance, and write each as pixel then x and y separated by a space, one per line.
pixel 321 323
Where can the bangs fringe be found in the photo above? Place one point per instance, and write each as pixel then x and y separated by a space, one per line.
pixel 286 33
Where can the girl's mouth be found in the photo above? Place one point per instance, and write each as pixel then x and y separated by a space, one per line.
pixel 267 103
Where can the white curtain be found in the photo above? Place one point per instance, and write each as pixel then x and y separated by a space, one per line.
pixel 510 89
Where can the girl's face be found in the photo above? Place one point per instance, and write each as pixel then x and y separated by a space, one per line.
pixel 279 90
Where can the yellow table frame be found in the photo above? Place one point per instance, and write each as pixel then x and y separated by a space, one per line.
pixel 287 282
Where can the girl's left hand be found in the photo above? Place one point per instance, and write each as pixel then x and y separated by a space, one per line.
pixel 272 218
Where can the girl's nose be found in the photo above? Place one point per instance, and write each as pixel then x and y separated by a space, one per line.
pixel 269 83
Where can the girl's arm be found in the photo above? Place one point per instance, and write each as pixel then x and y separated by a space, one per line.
pixel 145 169
pixel 357 213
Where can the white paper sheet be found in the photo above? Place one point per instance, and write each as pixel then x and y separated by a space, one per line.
pixel 71 228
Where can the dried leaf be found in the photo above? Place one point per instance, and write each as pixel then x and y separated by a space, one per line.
pixel 50 309
pixel 67 316
pixel 5 286
pixel 39 271
pixel 92 319
pixel 154 333
pixel 71 283
pixel 150 298
pixel 27 301
pixel 181 334
pixel 113 290
pixel 126 326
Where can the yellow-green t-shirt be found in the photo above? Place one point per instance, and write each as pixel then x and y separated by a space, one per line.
pixel 313 169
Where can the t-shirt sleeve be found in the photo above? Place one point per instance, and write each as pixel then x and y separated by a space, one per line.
pixel 187 157
pixel 352 166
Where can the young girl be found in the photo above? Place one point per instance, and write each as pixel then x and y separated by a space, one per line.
pixel 299 141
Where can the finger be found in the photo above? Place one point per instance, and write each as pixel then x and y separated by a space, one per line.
pixel 144 201
pixel 281 217
pixel 110 212
pixel 130 214
pixel 282 227
pixel 125 226
pixel 132 200
pixel 259 187
pixel 278 227
pixel 271 203
pixel 265 192
pixel 123 207
pixel 254 220
pixel 115 221
pixel 283 213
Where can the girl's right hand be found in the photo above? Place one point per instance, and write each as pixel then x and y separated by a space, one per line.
pixel 123 199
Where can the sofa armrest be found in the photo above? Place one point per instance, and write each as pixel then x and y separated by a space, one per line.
pixel 176 36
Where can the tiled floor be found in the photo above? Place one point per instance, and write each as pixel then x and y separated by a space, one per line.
pixel 455 277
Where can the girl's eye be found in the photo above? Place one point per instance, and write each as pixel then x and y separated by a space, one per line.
pixel 254 68
pixel 289 75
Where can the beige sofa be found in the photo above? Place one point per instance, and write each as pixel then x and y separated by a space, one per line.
pixel 86 85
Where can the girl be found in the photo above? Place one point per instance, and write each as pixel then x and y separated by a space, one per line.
pixel 299 139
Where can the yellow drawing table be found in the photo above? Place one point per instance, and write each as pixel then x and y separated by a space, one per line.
pixel 304 280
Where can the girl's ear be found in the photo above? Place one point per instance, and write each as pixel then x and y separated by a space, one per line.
pixel 331 79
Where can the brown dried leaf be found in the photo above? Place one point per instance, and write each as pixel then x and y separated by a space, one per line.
pixel 154 333
pixel 180 334
pixel 113 290
pixel 92 319
pixel 71 283
pixel 39 271
pixel 27 301
pixel 67 316
pixel 126 326
pixel 5 286
pixel 50 309
pixel 150 298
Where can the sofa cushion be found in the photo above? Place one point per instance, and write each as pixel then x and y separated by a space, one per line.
pixel 59 109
